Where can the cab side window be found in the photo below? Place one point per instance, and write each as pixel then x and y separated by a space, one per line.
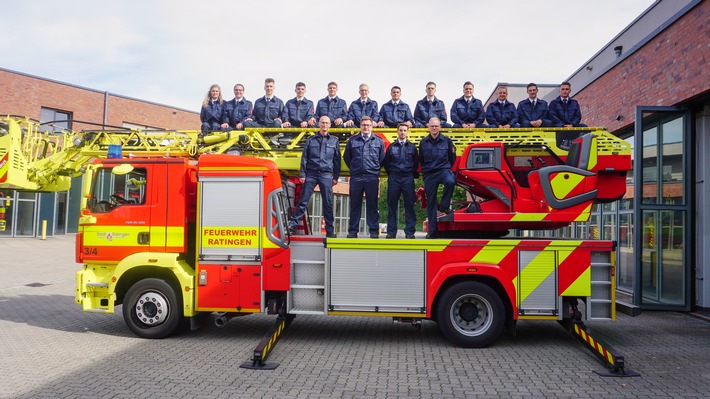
pixel 113 190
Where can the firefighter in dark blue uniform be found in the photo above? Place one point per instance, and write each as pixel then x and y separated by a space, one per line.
pixel 429 107
pixel 237 109
pixel 467 111
pixel 437 155
pixel 564 111
pixel 501 112
pixel 363 106
pixel 532 112
pixel 320 165
pixel 268 109
pixel 395 111
pixel 212 110
pixel 298 111
pixel 364 154
pixel 401 161
pixel 333 107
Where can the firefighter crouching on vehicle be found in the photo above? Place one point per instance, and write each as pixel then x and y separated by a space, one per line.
pixel 401 161
pixel 437 155
pixel 320 164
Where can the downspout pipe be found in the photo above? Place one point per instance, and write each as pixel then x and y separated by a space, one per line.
pixel 105 109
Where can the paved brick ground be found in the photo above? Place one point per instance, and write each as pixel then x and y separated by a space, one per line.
pixel 50 349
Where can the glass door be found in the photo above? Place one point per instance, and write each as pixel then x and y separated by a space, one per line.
pixel 25 214
pixel 662 210
pixel 60 222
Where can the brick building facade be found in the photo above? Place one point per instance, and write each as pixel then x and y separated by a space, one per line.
pixel 670 69
pixel 26 95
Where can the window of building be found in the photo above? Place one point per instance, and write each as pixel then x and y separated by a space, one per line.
pixel 54 120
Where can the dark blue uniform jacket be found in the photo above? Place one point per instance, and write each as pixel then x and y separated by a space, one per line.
pixel 364 156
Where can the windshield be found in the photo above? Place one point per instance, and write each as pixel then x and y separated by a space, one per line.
pixel 112 190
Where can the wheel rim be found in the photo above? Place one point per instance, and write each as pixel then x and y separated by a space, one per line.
pixel 152 308
pixel 471 315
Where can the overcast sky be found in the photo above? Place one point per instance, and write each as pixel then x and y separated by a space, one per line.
pixel 171 51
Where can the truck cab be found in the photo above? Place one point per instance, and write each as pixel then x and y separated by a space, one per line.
pixel 171 237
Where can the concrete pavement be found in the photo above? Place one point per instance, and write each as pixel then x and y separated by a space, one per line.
pixel 51 349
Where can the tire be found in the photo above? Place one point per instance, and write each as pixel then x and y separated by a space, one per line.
pixel 471 314
pixel 152 309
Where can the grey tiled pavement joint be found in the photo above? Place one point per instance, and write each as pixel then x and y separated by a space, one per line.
pixel 51 349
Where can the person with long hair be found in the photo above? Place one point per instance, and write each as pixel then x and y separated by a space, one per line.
pixel 212 109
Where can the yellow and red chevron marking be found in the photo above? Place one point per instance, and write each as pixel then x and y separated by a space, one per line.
pixel 594 344
pixel 552 218
pixel 496 252
pixel 500 259
pixel 4 167
pixel 573 261
pixel 593 153
pixel 574 271
pixel 568 184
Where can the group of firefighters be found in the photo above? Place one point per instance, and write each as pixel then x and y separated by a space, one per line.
pixel 466 111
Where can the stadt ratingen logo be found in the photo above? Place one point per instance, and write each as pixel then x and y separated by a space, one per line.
pixel 109 236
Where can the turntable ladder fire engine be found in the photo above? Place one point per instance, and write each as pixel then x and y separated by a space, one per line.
pixel 40 161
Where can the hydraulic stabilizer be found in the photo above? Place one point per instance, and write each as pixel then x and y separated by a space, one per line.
pixel 266 345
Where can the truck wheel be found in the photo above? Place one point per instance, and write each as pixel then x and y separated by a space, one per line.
pixel 151 309
pixel 471 314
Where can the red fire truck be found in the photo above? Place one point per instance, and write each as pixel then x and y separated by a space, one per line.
pixel 172 238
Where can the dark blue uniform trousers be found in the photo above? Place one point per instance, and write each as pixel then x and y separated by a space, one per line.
pixel 369 185
pixel 325 183
pixel 431 185
pixel 400 184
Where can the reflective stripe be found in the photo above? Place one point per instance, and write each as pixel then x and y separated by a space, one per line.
pixel 495 251
pixel 175 236
pixel 435 245
pixel 122 236
pixel 581 286
pixel 584 216
pixel 529 217
pixel 4 166
pixel 563 183
pixel 593 155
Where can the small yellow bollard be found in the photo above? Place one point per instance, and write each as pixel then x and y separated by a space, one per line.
pixel 44 229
